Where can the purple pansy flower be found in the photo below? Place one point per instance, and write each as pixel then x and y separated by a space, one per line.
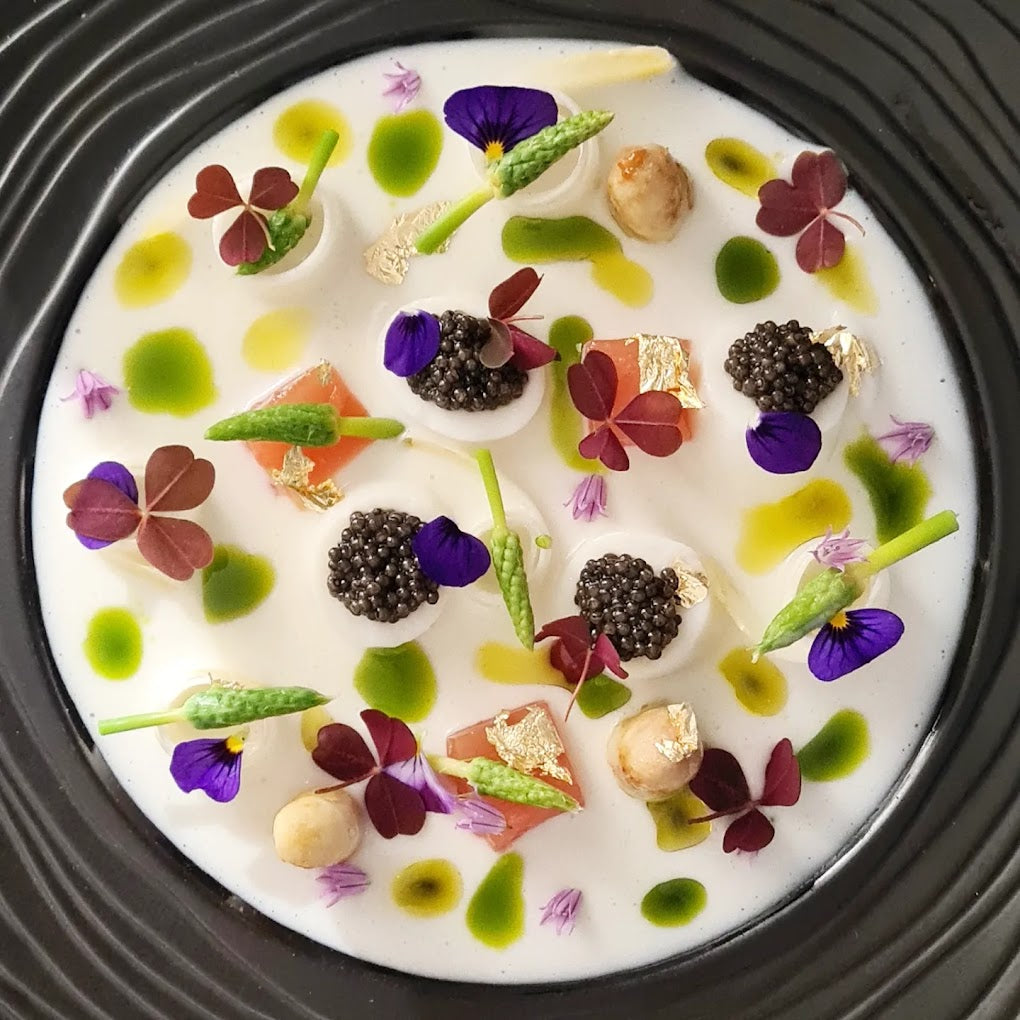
pixel 589 499
pixel 94 392
pixel 494 118
pixel 417 773
pixel 480 817
pixel 908 441
pixel 449 556
pixel 210 765
pixel 342 880
pixel 402 85
pixel 839 550
pixel 561 910
pixel 784 442
pixel 116 474
pixel 851 639
pixel 412 341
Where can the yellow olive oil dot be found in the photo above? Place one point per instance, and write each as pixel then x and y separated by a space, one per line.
pixel 848 281
pixel 739 164
pixel 298 129
pixel 837 749
pixel 169 372
pixel 427 888
pixel 512 664
pixel 673 830
pixel 759 686
pixel 674 903
pixel 152 270
pixel 312 720
pixel 276 341
pixel 495 913
pixel 113 643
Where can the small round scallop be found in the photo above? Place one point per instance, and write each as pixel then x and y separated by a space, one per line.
pixel 464 426
pixel 650 193
pixel 660 552
pixel 317 830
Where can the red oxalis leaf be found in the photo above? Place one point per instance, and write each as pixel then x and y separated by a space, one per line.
pixel 245 239
pixel 651 421
pixel 176 480
pixel 394 742
pixel 341 751
pixel 592 384
pixel 571 630
pixel 499 348
pixel 607 657
pixel 821 246
pixel 100 510
pixel 176 547
pixel 272 188
pixel 510 296
pixel 820 178
pixel 782 777
pixel 750 832
pixel 720 782
pixel 215 192
pixel 393 807
pixel 529 352
pixel 604 445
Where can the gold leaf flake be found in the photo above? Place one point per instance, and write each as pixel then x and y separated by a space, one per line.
pixel 663 364
pixel 324 372
pixel 850 353
pixel 685 739
pixel 530 744
pixel 294 476
pixel 387 259
pixel 693 586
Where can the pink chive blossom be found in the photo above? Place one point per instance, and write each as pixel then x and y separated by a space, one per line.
pixel 908 441
pixel 94 392
pixel 839 550
pixel 341 881
pixel 403 87
pixel 561 910
pixel 479 817
pixel 589 499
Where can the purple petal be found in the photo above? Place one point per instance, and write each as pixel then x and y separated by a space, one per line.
pixel 494 118
pixel 908 441
pixel 480 817
pixel 561 910
pixel 403 85
pixel 412 341
pixel 448 555
pixel 784 442
pixel 342 880
pixel 866 634
pixel 839 550
pixel 417 773
pixel 118 475
pixel 589 499
pixel 212 766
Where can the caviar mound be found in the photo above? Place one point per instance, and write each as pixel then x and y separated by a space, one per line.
pixel 781 368
pixel 373 570
pixel 455 379
pixel 622 597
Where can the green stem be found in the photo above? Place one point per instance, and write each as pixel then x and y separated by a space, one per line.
pixel 450 766
pixel 430 240
pixel 370 428
pixel 491 482
pixel 320 157
pixel 137 722
pixel 911 541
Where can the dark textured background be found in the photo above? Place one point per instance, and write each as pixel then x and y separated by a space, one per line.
pixel 100 918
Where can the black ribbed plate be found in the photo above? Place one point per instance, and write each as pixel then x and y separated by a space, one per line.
pixel 100 918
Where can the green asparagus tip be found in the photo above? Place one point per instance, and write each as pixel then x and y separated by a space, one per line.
pixel 300 425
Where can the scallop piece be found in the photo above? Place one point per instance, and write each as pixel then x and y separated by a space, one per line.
pixel 650 193
pixel 317 830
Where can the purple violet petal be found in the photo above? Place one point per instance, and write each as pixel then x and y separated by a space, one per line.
pixel 412 341
pixel 341 881
pixel 839 550
pixel 784 442
pixel 840 649
pixel 909 441
pixel 212 766
pixel 417 773
pixel 403 86
pixel 449 556
pixel 494 118
pixel 589 499
pixel 561 910
pixel 116 474
pixel 480 817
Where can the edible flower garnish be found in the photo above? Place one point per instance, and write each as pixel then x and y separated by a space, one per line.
pixel 784 442
pixel 106 510
pixel 524 163
pixel 909 441
pixel 341 881
pixel 212 766
pixel 722 785
pixel 577 656
pixel 818 186
pixel 116 474
pixel 412 341
pixel 417 772
pixel 848 640
pixel 449 556
pixel 561 910
pixel 300 425
pixel 494 118
pixel 507 556
pixel 508 342
pixel 589 499
pixel 651 421
pixel 402 86
pixel 220 705
pixel 93 391
pixel 480 818
pixel 839 550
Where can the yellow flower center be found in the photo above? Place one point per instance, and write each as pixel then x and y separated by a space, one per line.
pixel 234 744
pixel 839 621
pixel 494 150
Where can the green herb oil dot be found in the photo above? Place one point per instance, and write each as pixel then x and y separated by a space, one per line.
pixel 152 270
pixel 113 644
pixel 531 240
pixel 739 164
pixel 427 888
pixel 837 749
pixel 404 150
pixel 759 686
pixel 169 372
pixel 898 493
pixel 495 914
pixel 673 903
pixel 235 583
pixel 672 816
pixel 745 270
pixel 601 695
pixel 566 426
pixel 398 681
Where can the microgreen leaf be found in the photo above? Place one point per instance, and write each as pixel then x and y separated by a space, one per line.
pixel 393 807
pixel 245 239
pixel 215 192
pixel 782 777
pixel 529 351
pixel 508 342
pixel 750 832
pixel 592 384
pixel 720 782
pixel 576 656
pixel 176 480
pixel 604 445
pixel 174 546
pixel 100 510
pixel 499 348
pixel 272 188
pixel 394 742
pixel 510 296
pixel 651 422
pixel 341 751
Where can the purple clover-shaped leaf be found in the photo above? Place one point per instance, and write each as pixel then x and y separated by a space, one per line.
pixel 576 656
pixel 117 475
pixel 494 118
pixel 782 777
pixel 394 742
pixel 341 751
pixel 507 341
pixel 720 782
pixel 784 442
pixel 212 766
pixel 393 808
pixel 412 341
pixel 449 556
pixel 750 832
pixel 852 639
